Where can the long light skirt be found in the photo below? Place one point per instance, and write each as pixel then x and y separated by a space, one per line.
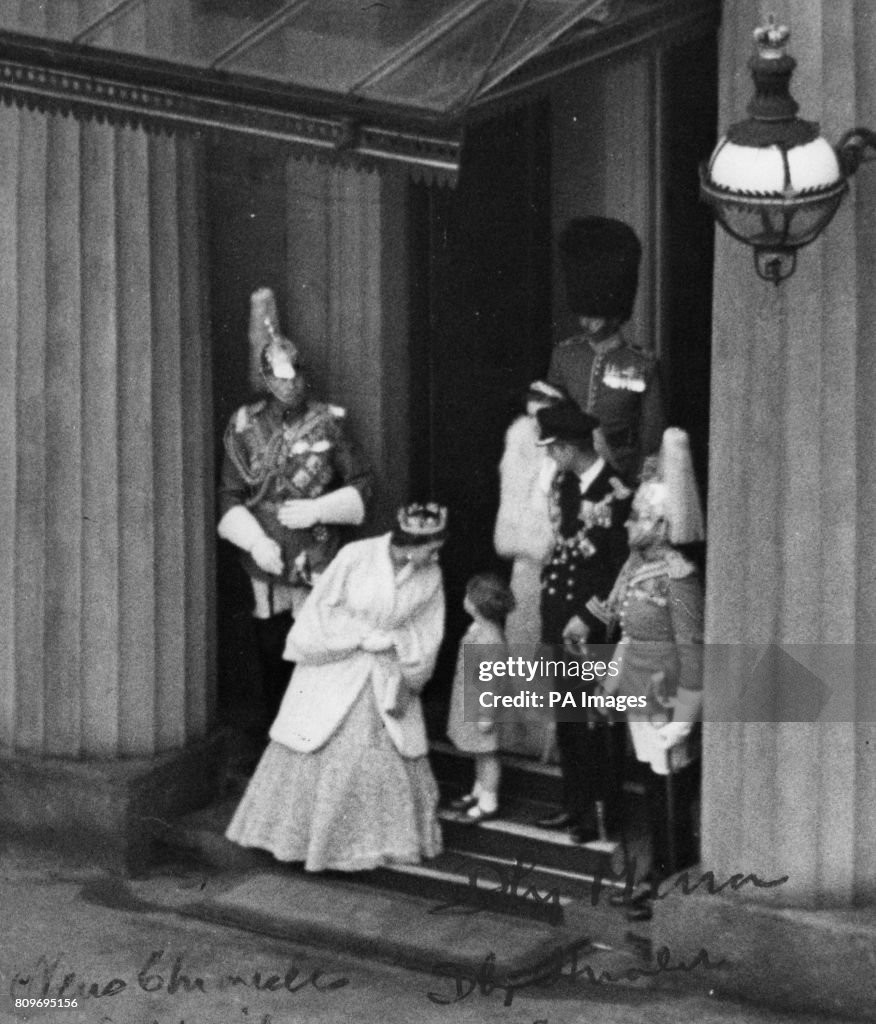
pixel 352 805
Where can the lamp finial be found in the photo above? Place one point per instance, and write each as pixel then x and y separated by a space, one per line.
pixel 772 39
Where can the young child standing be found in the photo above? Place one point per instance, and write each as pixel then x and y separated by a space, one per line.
pixel 488 601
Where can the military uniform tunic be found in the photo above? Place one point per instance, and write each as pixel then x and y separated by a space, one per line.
pixel 589 549
pixel 658 604
pixel 620 386
pixel 272 457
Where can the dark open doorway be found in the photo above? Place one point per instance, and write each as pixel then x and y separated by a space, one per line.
pixel 481 266
pixel 246 200
pixel 480 329
pixel 690 112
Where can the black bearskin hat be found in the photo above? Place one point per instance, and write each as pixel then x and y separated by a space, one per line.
pixel 601 262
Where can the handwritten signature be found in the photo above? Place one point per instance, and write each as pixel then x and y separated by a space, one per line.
pixel 513 882
pixel 48 978
pixel 681 883
pixel 487 881
pixel 562 963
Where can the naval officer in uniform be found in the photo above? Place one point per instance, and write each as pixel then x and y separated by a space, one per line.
pixel 589 505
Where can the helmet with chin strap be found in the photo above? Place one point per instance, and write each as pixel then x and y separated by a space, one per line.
pixel 273 357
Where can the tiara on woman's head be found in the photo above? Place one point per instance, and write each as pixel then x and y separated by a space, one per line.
pixel 423 520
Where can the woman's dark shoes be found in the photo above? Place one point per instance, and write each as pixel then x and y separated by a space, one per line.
pixel 464 802
pixel 562 819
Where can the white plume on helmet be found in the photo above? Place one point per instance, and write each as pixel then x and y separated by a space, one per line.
pixel 270 352
pixel 669 490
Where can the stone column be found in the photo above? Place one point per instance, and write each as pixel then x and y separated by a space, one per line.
pixel 791 550
pixel 348 281
pixel 106 587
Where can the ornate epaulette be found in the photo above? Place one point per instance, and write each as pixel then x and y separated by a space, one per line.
pixel 246 413
pixel 649 571
pixel 677 565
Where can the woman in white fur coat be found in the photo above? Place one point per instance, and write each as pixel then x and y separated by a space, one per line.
pixel 524 534
pixel 345 783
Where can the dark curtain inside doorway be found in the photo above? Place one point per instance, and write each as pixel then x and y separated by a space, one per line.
pixel 247 226
pixel 690 119
pixel 480 326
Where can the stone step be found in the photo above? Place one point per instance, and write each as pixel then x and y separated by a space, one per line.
pixel 513 836
pixel 522 777
pixel 501 865
pixel 507 954
pixel 488 910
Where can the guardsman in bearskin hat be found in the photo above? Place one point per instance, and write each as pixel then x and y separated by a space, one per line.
pixel 657 601
pixel 589 506
pixel 292 488
pixel 604 375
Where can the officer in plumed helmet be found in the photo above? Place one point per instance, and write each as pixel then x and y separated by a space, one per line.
pixel 293 487
pixel 604 374
pixel 657 602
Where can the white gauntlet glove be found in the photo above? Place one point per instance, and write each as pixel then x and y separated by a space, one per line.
pixel 688 709
pixel 241 528
pixel 342 507
pixel 673 733
pixel 267 555
pixel 575 633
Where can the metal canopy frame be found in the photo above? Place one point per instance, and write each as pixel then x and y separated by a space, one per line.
pixel 371 122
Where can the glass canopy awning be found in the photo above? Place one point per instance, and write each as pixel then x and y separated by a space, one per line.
pixel 363 80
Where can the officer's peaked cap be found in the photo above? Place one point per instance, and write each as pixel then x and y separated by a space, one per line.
pixel 564 422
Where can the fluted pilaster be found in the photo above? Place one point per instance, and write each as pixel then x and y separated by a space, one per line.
pixel 106 589
pixel 792 550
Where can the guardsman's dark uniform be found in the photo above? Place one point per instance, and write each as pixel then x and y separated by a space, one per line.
pixel 271 458
pixel 609 379
pixel 620 386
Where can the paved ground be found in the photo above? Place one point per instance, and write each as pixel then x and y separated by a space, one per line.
pixel 70 932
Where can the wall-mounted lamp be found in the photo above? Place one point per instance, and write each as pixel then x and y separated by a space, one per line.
pixel 773 181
